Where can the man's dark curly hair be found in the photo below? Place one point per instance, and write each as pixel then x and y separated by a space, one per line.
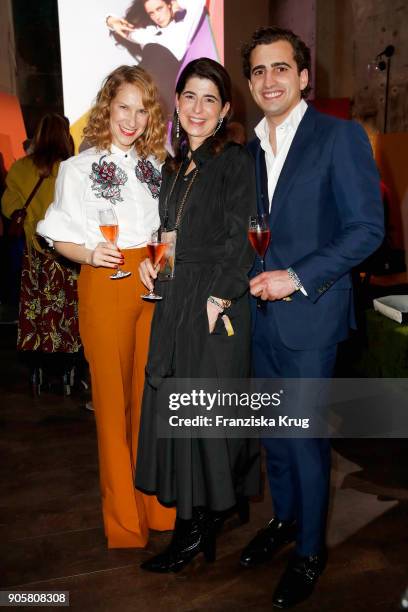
pixel 271 34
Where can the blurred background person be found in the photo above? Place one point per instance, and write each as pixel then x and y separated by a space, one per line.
pixel 48 309
pixel 119 175
pixel 236 132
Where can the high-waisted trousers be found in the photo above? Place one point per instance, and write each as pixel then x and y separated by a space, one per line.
pixel 115 326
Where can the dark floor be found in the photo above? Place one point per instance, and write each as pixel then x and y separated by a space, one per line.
pixel 52 538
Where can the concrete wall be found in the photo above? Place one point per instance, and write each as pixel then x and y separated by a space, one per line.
pixel 350 33
pixel 378 23
pixel 7 64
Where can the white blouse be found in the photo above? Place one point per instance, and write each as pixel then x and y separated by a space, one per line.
pixel 94 180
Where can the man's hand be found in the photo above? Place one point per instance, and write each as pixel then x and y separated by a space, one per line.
pixel 272 286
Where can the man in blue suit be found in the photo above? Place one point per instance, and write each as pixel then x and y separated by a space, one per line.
pixel 317 182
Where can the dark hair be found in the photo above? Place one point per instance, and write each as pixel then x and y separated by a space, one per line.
pixel 203 68
pixel 271 34
pixel 136 13
pixel 52 143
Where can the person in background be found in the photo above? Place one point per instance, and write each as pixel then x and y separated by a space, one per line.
pixel 201 328
pixel 119 175
pixel 48 305
pixel 236 132
pixel 318 184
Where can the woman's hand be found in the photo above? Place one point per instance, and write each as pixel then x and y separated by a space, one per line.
pixel 120 26
pixel 106 255
pixel 213 312
pixel 147 274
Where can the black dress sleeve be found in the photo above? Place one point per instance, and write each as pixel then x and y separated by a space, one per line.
pixel 239 202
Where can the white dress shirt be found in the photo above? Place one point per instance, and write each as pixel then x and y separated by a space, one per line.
pixel 94 180
pixel 285 133
pixel 177 35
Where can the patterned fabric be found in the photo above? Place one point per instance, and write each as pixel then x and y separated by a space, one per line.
pixel 107 179
pixel 48 319
pixel 147 173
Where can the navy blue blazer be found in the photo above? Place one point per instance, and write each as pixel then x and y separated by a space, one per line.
pixel 326 217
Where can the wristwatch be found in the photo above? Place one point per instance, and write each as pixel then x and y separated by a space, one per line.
pixel 294 277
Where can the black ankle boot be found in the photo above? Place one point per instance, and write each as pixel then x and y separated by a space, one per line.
pixel 189 539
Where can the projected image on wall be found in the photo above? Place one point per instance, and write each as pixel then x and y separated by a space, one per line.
pixel 162 36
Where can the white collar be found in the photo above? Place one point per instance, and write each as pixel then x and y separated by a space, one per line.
pixel 292 122
pixel 124 154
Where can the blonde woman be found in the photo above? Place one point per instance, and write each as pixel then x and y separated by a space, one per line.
pixel 121 172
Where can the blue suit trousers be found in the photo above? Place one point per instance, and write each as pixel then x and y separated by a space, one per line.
pixel 298 468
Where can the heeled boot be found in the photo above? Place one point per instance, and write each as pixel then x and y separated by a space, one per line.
pixel 190 537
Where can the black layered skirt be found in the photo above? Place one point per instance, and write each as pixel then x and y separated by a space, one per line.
pixel 193 472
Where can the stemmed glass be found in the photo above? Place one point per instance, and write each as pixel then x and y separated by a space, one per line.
pixel 156 249
pixel 259 235
pixel 109 226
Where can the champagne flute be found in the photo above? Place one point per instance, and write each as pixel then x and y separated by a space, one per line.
pixel 108 224
pixel 259 235
pixel 155 249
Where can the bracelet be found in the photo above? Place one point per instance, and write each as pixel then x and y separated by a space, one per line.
pixel 294 277
pixel 221 304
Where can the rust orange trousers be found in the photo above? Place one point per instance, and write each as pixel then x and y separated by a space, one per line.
pixel 115 325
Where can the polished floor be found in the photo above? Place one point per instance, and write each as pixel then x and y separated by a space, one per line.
pixel 52 539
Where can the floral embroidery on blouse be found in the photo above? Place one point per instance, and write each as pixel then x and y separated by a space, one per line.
pixel 147 173
pixel 107 179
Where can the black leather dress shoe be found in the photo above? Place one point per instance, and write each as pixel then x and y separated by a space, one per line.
pixel 298 580
pixel 267 542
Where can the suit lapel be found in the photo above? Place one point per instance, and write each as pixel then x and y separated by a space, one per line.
pixel 262 181
pixel 302 140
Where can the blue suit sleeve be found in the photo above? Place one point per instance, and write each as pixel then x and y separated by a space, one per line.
pixel 355 188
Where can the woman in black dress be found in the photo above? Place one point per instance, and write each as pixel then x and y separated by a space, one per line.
pixel 213 182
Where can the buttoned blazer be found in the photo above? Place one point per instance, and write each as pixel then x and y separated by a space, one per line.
pixel 326 217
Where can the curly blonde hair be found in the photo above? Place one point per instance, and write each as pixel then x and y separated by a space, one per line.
pixel 97 131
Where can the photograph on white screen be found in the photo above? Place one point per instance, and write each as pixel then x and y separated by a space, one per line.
pixel 161 36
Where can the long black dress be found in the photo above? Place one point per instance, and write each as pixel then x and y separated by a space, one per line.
pixel 213 257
